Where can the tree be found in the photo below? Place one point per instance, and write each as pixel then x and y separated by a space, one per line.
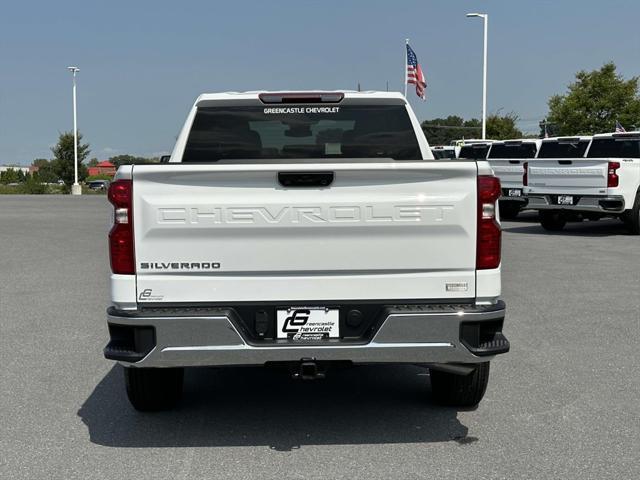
pixel 119 160
pixel 594 102
pixel 45 173
pixel 503 127
pixel 11 175
pixel 63 162
pixel 102 176
pixel 93 162
pixel 442 131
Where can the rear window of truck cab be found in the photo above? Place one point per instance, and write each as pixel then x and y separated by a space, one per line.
pixel 301 132
pixel 475 151
pixel 563 149
pixel 616 147
pixel 443 153
pixel 513 150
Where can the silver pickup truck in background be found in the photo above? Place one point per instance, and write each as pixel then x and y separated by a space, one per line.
pixel 304 229
pixel 603 183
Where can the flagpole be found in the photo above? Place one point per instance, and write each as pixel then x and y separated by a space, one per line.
pixel 405 67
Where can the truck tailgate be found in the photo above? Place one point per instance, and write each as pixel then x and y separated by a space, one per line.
pixel 583 176
pixel 232 233
pixel 510 172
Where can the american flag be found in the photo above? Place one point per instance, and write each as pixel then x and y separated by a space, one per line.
pixel 619 127
pixel 414 73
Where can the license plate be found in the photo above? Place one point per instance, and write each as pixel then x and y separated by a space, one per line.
pixel 565 199
pixel 515 192
pixel 308 323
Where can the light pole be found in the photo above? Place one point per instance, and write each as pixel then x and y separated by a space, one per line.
pixel 485 18
pixel 75 188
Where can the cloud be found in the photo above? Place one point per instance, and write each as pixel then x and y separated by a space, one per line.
pixel 107 152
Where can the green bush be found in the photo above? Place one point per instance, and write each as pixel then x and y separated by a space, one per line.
pixel 98 177
pixel 33 187
pixel 8 189
pixel 11 175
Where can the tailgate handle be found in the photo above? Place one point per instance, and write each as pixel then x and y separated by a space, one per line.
pixel 515 162
pixel 305 179
pixel 565 162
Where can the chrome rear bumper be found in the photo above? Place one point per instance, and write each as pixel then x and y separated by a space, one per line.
pixel 409 334
pixel 598 204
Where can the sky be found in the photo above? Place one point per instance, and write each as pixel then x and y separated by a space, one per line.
pixel 143 63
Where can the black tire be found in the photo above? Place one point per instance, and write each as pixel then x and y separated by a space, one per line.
pixel 632 217
pixel 509 210
pixel 552 220
pixel 460 390
pixel 153 389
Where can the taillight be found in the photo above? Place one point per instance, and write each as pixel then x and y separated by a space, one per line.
pixel 121 235
pixel 299 97
pixel 612 177
pixel 489 239
pixel 525 175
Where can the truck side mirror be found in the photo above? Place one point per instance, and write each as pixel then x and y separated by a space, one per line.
pixel 165 158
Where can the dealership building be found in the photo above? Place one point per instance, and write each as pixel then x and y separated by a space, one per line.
pixel 102 168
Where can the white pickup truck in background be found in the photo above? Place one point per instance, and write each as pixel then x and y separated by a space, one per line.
pixel 605 183
pixel 507 158
pixel 304 229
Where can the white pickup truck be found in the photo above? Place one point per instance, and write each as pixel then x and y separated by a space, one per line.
pixel 604 183
pixel 304 229
pixel 507 158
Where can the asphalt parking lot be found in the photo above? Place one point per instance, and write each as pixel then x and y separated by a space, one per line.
pixel 564 403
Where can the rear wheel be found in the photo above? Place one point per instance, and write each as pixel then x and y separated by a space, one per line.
pixel 153 389
pixel 552 220
pixel 632 217
pixel 509 210
pixel 460 390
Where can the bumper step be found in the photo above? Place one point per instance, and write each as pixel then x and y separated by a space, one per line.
pixel 499 344
pixel 484 338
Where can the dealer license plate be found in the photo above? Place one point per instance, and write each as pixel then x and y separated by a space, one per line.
pixel 515 192
pixel 308 323
pixel 565 199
